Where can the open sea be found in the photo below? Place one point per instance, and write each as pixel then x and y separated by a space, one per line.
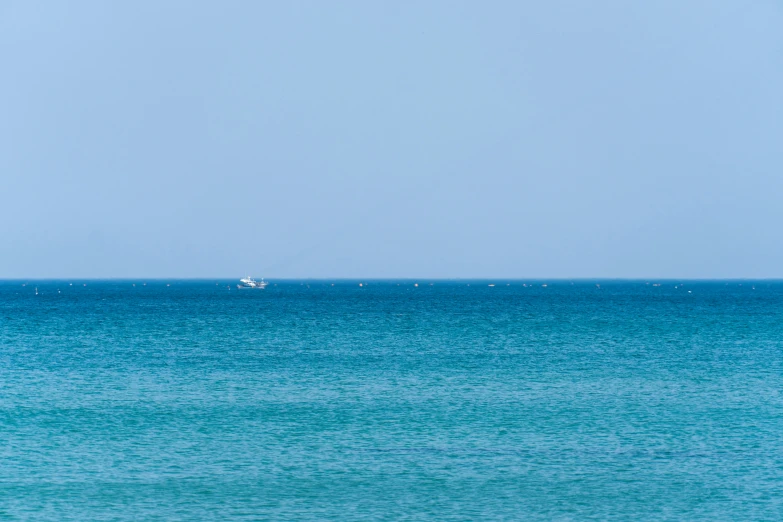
pixel 192 400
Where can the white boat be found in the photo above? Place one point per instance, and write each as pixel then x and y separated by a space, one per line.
pixel 249 282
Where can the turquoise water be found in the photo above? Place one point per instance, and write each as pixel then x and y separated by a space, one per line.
pixel 446 402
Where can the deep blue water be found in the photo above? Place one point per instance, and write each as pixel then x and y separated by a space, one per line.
pixel 445 402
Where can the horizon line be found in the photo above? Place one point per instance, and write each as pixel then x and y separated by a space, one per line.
pixel 359 278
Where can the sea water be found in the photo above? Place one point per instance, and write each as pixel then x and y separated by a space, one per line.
pixel 456 400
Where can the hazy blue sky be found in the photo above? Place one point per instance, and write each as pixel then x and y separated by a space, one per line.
pixel 391 139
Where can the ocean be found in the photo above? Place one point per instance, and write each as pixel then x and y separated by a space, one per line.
pixel 450 400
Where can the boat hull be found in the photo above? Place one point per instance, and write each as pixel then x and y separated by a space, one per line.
pixel 249 282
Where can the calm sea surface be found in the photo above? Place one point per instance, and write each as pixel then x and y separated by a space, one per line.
pixel 447 402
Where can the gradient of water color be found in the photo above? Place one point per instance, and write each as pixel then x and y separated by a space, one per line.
pixel 455 401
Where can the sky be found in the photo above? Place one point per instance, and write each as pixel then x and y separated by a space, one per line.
pixel 353 139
